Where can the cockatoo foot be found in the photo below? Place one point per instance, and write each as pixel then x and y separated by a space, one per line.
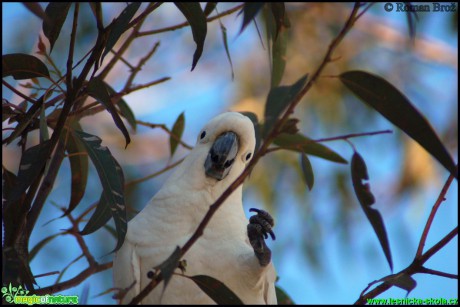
pixel 259 227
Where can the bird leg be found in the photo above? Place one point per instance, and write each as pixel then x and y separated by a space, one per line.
pixel 259 227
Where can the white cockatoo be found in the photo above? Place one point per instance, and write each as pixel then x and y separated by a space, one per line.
pixel 231 249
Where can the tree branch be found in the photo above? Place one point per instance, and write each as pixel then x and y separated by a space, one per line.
pixel 74 281
pixel 417 265
pixel 186 23
pixel 432 214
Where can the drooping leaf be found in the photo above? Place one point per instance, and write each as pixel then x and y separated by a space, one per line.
pixel 125 110
pixel 177 130
pixel 280 17
pixel 7 112
pixel 216 290
pixel 197 20
pixel 282 297
pixel 32 163
pixel 394 106
pixel 300 143
pixel 119 25
pixel 35 8
pixel 78 166
pixel 168 266
pixel 100 217
pixel 255 122
pixel 366 199
pixel 34 251
pixel 112 180
pixel 401 280
pixel 210 6
pixel 98 90
pixel 23 66
pixel 280 40
pixel 307 170
pixel 249 11
pixel 227 52
pixel 56 13
pixel 277 101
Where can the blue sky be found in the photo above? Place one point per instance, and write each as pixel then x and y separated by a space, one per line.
pixel 204 93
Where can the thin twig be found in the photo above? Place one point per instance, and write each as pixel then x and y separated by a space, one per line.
pixel 175 137
pixel 18 92
pixel 84 248
pixel 435 208
pixel 74 281
pixel 186 23
pixel 424 258
pixel 438 273
pixel 136 181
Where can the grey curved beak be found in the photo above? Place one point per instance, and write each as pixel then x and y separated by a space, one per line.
pixel 221 155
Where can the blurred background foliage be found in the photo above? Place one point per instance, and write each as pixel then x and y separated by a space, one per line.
pixel 319 230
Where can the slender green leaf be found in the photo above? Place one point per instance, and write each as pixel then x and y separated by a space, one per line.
pixel 257 128
pixel 32 164
pixel 278 99
pixel 282 297
pixel 24 121
pixel 216 290
pixel 307 171
pixel 279 42
pixel 34 251
pixel 210 6
pixel 98 90
pixel 56 13
pixel 300 143
pixel 100 217
pixel 227 52
pixel 119 25
pixel 168 266
pixel 197 20
pixel 249 11
pixel 280 17
pixel 366 199
pixel 401 280
pixel 23 66
pixel 394 106
pixel 112 180
pixel 7 112
pixel 44 136
pixel 78 166
pixel 177 130
pixel 125 110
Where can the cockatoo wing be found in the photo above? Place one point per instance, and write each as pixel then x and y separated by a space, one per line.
pixel 126 272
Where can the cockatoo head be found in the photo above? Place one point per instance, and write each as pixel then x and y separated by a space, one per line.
pixel 229 141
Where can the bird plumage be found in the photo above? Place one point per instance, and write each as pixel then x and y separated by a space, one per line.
pixel 172 216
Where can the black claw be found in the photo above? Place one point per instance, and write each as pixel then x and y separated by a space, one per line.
pixel 265 220
pixel 272 234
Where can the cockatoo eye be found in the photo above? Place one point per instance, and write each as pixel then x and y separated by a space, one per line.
pixel 203 134
pixel 248 156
